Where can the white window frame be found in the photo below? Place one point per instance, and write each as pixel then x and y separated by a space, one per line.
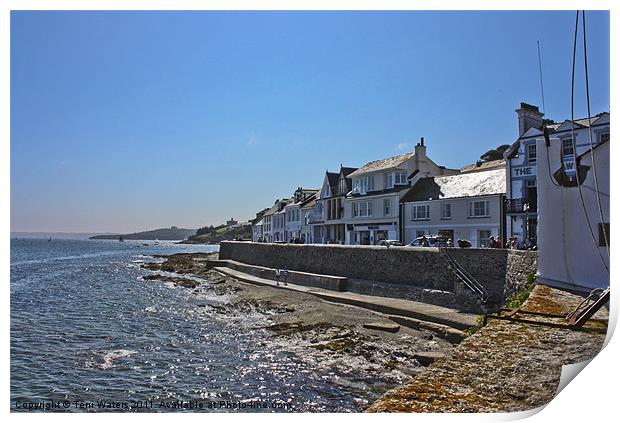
pixel 400 178
pixel 568 142
pixel 362 209
pixel 416 213
pixel 390 180
pixel 387 206
pixel 365 184
pixel 446 207
pixel 472 209
pixel 531 158
pixel 342 186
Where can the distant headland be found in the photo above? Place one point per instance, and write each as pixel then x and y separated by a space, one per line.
pixel 165 234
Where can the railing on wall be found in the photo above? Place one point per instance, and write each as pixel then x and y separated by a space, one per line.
pixel 520 205
pixel 463 275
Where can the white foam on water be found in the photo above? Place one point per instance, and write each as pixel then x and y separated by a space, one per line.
pixel 109 357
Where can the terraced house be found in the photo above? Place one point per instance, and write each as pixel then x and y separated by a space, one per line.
pixel 306 209
pixel 292 213
pixel 372 208
pixel 273 222
pixel 467 205
pixel 332 195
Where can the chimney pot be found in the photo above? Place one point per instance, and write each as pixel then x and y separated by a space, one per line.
pixel 529 117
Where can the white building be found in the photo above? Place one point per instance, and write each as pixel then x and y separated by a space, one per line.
pixel 371 210
pixel 292 213
pixel 313 215
pixel 467 205
pixel 278 223
pixel 305 209
pixel 257 230
pixel 522 159
pixel 332 196
pixel 273 226
pixel 570 256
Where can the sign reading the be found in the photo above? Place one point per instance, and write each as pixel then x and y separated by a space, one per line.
pixel 523 171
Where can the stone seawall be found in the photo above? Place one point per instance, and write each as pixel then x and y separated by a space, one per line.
pixel 500 271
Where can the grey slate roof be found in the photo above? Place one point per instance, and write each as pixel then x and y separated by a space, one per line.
pixel 271 210
pixel 310 198
pixel 468 184
pixel 332 178
pixel 376 165
pixel 346 171
pixel 309 203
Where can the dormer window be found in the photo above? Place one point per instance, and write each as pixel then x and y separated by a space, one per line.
pixel 363 185
pixel 396 178
pixel 342 187
pixel 400 178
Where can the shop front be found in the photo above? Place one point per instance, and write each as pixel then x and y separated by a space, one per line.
pixel 369 234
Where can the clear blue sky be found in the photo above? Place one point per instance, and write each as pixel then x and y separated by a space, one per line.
pixel 122 121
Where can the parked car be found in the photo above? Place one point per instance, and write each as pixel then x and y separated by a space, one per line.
pixel 390 243
pixel 433 241
pixel 463 243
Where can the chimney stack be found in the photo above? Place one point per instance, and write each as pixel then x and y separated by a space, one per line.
pixel 420 150
pixel 529 117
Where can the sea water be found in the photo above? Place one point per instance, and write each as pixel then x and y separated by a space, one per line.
pixel 87 334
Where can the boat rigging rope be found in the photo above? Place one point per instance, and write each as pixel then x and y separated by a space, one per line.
pixel 572 118
pixel 598 193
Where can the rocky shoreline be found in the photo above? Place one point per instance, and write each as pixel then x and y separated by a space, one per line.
pixel 353 340
pixel 503 367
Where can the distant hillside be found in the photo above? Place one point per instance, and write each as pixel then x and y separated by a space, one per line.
pixel 164 234
pixel 215 234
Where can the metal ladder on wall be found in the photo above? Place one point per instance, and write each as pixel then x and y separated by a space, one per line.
pixel 463 275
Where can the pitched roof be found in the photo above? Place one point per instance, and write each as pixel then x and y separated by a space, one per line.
pixel 271 210
pixel 346 171
pixel 590 150
pixel 278 206
pixel 332 178
pixel 259 216
pixel 388 163
pixel 558 127
pixel 469 184
pixel 480 166
pixel 310 202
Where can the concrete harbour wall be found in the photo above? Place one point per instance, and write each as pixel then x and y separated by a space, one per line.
pixel 415 273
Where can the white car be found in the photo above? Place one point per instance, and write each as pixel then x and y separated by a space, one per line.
pixel 390 243
pixel 433 241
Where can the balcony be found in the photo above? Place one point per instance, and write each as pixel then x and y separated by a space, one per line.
pixel 520 205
